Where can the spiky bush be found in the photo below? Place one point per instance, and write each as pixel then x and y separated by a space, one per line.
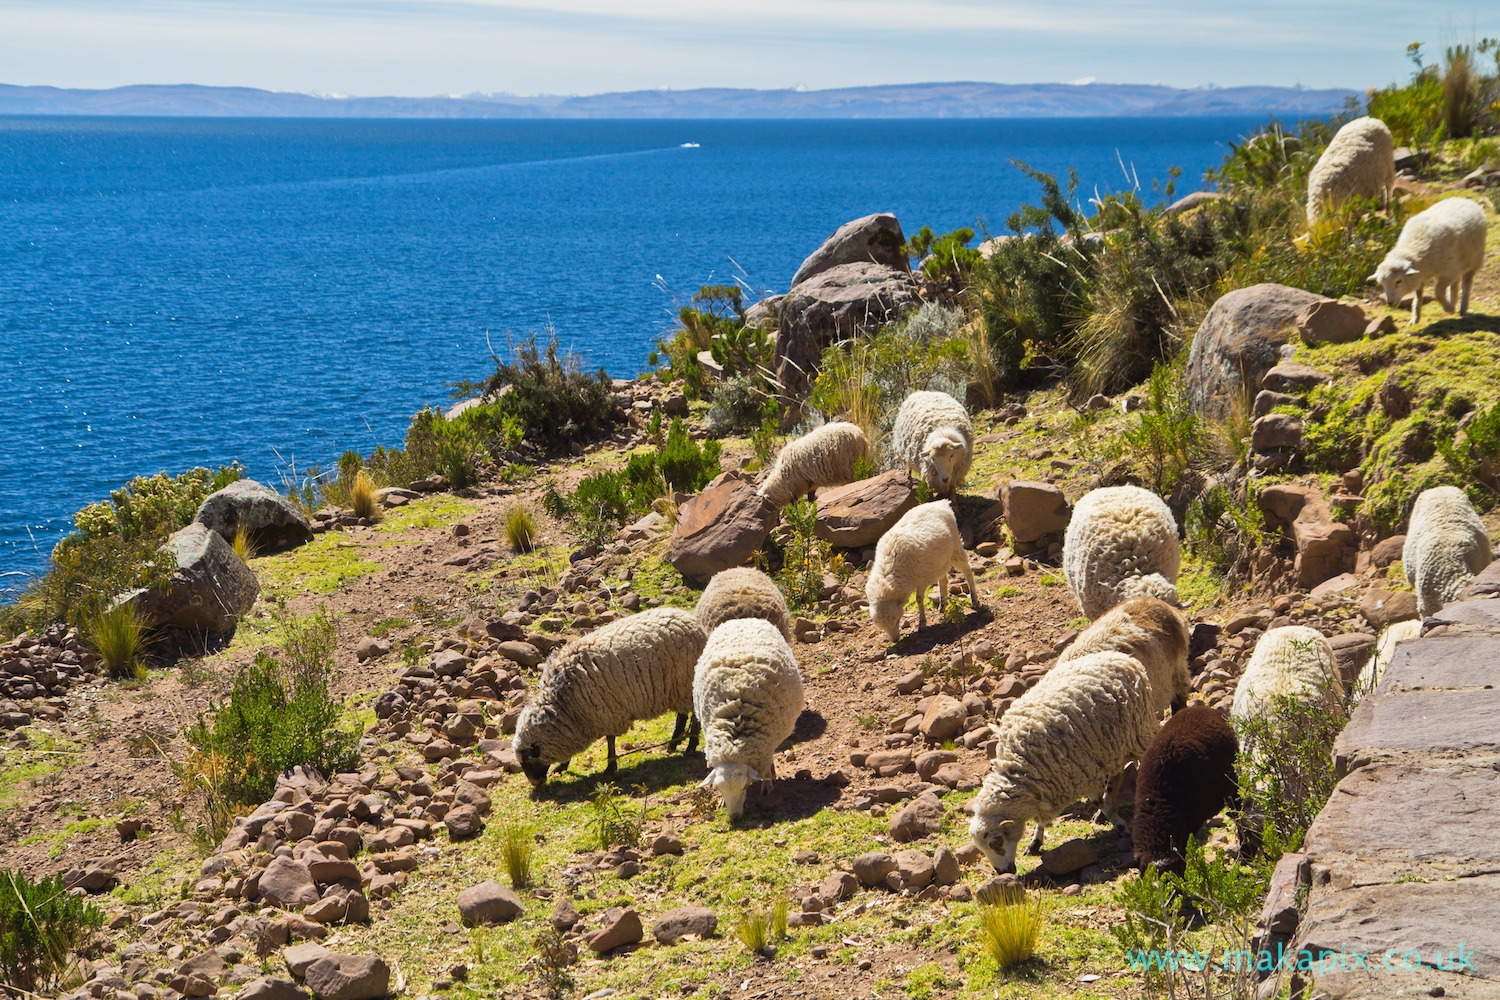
pixel 41 924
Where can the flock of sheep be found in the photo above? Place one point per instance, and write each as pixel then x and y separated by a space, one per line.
pixel 730 669
pixel 1443 245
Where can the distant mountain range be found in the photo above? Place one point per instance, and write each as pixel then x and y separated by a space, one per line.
pixel 917 100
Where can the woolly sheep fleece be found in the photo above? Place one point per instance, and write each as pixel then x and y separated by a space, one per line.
pixel 1446 545
pixel 915 553
pixel 933 438
pixel 598 685
pixel 1186 777
pixel 747 693
pixel 1292 660
pixel 742 592
pixel 1385 649
pixel 1154 634
pixel 1359 162
pixel 1068 738
pixel 1445 245
pixel 1121 541
pixel 824 456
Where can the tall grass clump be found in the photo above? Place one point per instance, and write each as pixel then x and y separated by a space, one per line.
pixel 517 845
pixel 41 925
pixel 118 637
pixel 279 714
pixel 760 928
pixel 362 496
pixel 243 544
pixel 520 529
pixel 1166 436
pixel 1009 926
pixel 612 823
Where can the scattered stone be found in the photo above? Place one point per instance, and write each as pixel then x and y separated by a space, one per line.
pixel 871 869
pixel 915 869
pixel 564 915
pixel 920 817
pixel 666 843
pixel 945 867
pixel 349 977
pixel 838 886
pixel 488 902
pixel 622 927
pixel 674 925
pixel 943 720
pixel 1331 322
pixel 1387 551
pixel 929 762
pixel 1276 430
pixel 719 528
pixel 266 988
pixel 369 648
pixel 1386 607
pixel 1325 546
pixel 299 956
pixel 1069 856
pixel 1033 510
pixel 287 883
pixel 856 515
pixel 272 520
pixel 462 822
pixel 1292 375
pixel 523 653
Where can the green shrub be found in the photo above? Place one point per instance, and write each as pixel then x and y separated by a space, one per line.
pixel 41 924
pixel 152 505
pixel 1285 754
pixel 604 501
pixel 805 556
pixel 279 714
pixel 739 403
pixel 551 398
pixel 714 323
pixel 947 259
pixel 613 824
pixel 1166 437
pixel 686 465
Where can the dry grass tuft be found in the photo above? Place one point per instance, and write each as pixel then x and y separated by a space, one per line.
pixel 362 497
pixel 1010 925
pixel 119 637
pixel 520 529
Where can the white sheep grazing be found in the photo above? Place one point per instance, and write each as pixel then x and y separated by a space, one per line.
pixel 915 553
pixel 1154 634
pixel 1359 162
pixel 1444 245
pixel 933 438
pixel 1292 660
pixel 1121 541
pixel 1446 544
pixel 635 668
pixel 1067 739
pixel 824 456
pixel 742 592
pixel 747 693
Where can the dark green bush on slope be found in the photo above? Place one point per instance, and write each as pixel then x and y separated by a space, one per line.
pixel 41 923
pixel 556 401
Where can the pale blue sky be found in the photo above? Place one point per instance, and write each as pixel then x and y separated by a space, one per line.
pixel 423 47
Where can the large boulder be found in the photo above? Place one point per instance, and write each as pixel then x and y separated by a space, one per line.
pixel 1238 342
pixel 1331 322
pixel 856 515
pixel 1325 547
pixel 719 528
pixel 210 590
pixel 1034 509
pixel 840 302
pixel 872 239
pixel 274 521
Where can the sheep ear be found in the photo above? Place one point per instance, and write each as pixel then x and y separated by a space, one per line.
pixel 1410 269
pixel 707 782
pixel 754 774
pixel 1373 277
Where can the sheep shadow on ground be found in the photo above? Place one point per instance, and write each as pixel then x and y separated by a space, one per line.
pixel 1474 322
pixel 634 771
pixel 939 633
pixel 810 726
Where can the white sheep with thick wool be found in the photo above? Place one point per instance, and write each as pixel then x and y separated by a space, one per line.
pixel 1067 739
pixel 1360 162
pixel 1446 545
pixel 599 685
pixel 1154 634
pixel 824 456
pixel 914 554
pixel 1121 541
pixel 1443 245
pixel 934 439
pixel 747 694
pixel 1294 661
pixel 742 592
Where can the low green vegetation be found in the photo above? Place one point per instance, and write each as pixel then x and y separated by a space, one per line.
pixel 1010 925
pixel 41 926
pixel 520 528
pixel 118 637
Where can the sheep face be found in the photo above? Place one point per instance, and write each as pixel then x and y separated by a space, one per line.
pixel 887 616
pixel 528 746
pixel 1151 585
pixel 940 457
pixel 998 839
pixel 731 780
pixel 1398 278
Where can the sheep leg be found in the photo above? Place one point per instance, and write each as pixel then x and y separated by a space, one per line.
pixel 1442 291
pixel 1416 306
pixel 678 728
pixel 1467 286
pixel 1035 847
pixel 693 730
pixel 942 594
pixel 922 608
pixel 968 571
pixel 613 762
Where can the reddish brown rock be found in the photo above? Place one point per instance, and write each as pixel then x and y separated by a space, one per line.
pixel 1325 547
pixel 719 528
pixel 1033 510
pixel 856 515
pixel 1331 322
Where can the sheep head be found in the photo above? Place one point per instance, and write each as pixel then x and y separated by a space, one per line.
pixel 940 458
pixel 730 780
pixel 1398 278
pixel 998 839
pixel 530 744
pixel 1151 585
pixel 887 616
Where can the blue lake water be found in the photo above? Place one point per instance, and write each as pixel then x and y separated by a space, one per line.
pixel 180 292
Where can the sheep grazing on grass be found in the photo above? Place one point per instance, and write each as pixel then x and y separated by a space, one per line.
pixel 1067 739
pixel 1292 660
pixel 915 553
pixel 742 593
pixel 1446 545
pixel 1360 162
pixel 747 692
pixel 1444 245
pixel 1121 542
pixel 933 438
pixel 636 668
pixel 825 456
pixel 1186 777
pixel 1155 634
